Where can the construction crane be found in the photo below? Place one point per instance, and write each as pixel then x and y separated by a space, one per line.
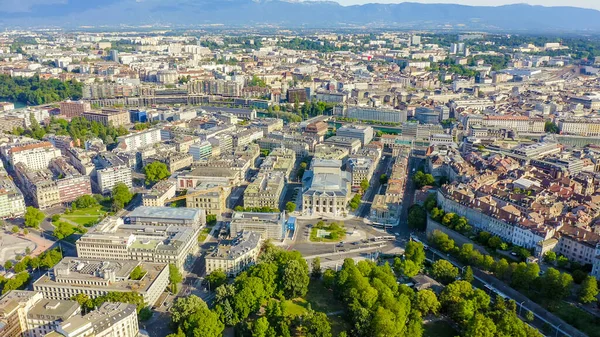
pixel 195 193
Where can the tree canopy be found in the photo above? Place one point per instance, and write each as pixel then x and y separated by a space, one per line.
pixel 35 91
pixel 156 171
pixel 421 179
pixel 34 217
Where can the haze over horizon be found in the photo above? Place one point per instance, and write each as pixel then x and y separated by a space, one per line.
pixel 591 4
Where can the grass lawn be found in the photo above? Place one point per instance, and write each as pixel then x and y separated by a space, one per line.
pixel 86 217
pixel 204 233
pixel 439 329
pixel 337 232
pixel 322 299
pixel 295 307
pixel 578 318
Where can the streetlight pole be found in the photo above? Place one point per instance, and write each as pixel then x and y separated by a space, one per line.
pixel 557 329
pixel 521 307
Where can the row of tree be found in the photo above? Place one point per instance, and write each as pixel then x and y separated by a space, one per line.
pixel 46 260
pixel 552 285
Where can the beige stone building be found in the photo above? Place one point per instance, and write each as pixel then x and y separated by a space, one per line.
pixel 159 193
pixel 107 117
pixel 234 256
pixel 266 190
pixel 210 197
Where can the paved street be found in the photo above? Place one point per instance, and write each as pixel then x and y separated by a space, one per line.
pixel 374 185
pixel 409 196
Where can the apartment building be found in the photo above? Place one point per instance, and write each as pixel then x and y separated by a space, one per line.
pixel 325 188
pixel 74 108
pixel 302 149
pixel 328 151
pixel 39 186
pixel 12 201
pixel 236 255
pixel 210 197
pixel 47 315
pixel 268 125
pixel 352 144
pixel 268 225
pixel 110 90
pixel 296 95
pixel 487 214
pixel 280 159
pixel 218 175
pixel 138 140
pixel 216 87
pixel 518 123
pixel 112 239
pixel 63 143
pixel 266 190
pixel 365 113
pixel 579 127
pixel 35 156
pixel 245 137
pixel 201 151
pixel 109 177
pixel 176 161
pixel 14 306
pixel 362 132
pixel 360 168
pixel 318 128
pixel 28 314
pixel 94 277
pixel 106 117
pixel 538 150
pixel 578 245
pixel 109 320
pixel 159 193
pixel 222 143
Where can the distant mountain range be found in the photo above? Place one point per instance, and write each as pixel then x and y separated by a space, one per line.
pixel 294 14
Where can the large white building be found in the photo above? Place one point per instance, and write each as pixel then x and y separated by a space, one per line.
pixel 109 177
pixel 12 202
pixel 325 188
pixel 518 123
pixel 135 141
pixel 268 225
pixel 29 314
pixel 35 156
pixel 365 113
pixel 580 127
pixel 362 132
pixel 109 320
pixel 98 277
pixel 111 239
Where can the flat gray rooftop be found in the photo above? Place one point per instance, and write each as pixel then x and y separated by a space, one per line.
pixel 164 212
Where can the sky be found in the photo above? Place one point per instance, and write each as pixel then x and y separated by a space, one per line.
pixel 595 4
